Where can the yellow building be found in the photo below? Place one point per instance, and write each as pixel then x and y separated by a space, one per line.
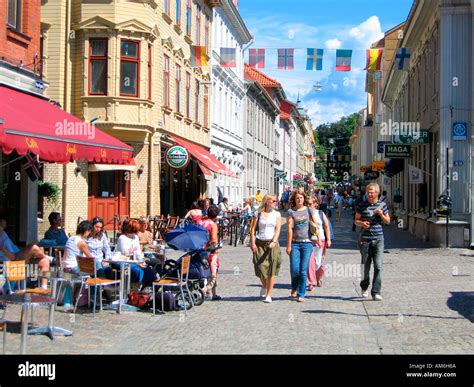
pixel 126 65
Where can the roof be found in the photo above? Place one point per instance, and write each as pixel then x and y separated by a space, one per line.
pixel 260 77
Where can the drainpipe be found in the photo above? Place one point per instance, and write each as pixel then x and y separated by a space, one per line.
pixel 151 165
pixel 471 193
pixel 66 100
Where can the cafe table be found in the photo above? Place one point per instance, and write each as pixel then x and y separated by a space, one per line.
pixel 125 276
pixel 26 300
pixel 54 278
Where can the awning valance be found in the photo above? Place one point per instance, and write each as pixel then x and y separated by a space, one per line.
pixel 112 167
pixel 204 157
pixel 29 122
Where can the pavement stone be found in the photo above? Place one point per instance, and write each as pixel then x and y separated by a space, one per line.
pixel 426 309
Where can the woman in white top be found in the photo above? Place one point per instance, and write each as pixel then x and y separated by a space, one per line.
pixel 264 233
pixel 76 245
pixel 129 244
pixel 316 262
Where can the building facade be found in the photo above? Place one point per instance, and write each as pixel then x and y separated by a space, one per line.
pixel 228 94
pixel 129 71
pixel 429 94
pixel 21 68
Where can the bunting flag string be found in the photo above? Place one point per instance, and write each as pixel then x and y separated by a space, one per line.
pixel 314 58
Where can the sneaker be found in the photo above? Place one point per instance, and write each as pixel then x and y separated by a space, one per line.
pixel 267 299
pixel 377 297
pixel 67 305
pixel 365 293
pixel 263 292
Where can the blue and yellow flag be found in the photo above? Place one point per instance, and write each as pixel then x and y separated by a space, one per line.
pixel 315 59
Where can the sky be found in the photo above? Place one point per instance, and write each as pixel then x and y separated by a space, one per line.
pixel 327 24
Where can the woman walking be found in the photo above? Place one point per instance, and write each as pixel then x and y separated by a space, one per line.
pixel 299 246
pixel 318 256
pixel 264 233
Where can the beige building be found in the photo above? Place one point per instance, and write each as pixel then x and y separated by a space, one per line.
pixel 129 70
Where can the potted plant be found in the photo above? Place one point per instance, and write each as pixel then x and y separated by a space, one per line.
pixel 50 192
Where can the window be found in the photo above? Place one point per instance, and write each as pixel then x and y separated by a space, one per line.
pixel 206 106
pixel 150 72
pixel 129 67
pixel 178 88
pixel 14 14
pixel 166 4
pixel 198 24
pixel 178 11
pixel 206 33
pixel 188 17
pixel 98 67
pixel 166 81
pixel 188 95
pixel 196 95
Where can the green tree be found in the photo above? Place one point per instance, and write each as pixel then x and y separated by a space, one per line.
pixel 340 132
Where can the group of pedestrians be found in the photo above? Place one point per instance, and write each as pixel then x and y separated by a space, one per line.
pixel 309 235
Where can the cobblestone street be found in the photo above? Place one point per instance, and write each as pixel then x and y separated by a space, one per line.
pixel 428 308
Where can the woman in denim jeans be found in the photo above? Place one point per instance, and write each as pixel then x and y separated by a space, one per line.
pixel 300 246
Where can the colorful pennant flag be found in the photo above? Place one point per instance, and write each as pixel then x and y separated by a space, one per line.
pixel 227 57
pixel 198 56
pixel 30 163
pixel 314 60
pixel 402 55
pixel 374 59
pixel 257 58
pixel 285 58
pixel 343 60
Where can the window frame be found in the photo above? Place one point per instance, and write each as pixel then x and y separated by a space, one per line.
pixel 196 101
pixel 18 15
pixel 178 79
pixel 166 81
pixel 178 12
pixel 98 58
pixel 198 24
pixel 189 16
pixel 188 95
pixel 150 70
pixel 167 7
pixel 133 60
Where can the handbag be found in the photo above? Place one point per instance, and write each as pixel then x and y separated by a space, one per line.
pixel 139 299
pixel 313 227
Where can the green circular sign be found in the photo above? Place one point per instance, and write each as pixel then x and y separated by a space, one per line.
pixel 177 157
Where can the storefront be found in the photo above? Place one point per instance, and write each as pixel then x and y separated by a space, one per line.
pixel 31 125
pixel 181 186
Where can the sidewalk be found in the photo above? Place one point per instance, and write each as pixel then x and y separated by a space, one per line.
pixel 426 310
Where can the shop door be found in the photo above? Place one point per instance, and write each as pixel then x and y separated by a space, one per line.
pixel 109 195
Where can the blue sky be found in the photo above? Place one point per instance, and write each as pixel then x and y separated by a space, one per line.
pixel 327 24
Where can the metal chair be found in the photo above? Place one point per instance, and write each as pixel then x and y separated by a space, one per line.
pixel 15 271
pixel 181 282
pixel 88 269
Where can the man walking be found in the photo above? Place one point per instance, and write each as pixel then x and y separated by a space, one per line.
pixel 369 216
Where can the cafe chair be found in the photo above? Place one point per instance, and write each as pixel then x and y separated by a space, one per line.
pixel 88 269
pixel 181 282
pixel 15 271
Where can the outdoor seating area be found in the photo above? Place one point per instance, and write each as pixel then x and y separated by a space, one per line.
pixel 79 285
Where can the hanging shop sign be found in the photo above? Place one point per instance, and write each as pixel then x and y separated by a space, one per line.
pixel 396 151
pixel 422 136
pixel 459 131
pixel 177 157
pixel 378 165
pixel 365 168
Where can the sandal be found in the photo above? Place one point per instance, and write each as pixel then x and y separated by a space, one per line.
pixel 294 293
pixel 320 283
pixel 310 288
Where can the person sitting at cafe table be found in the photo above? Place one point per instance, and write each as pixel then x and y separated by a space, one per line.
pixel 128 244
pixel 224 206
pixel 99 248
pixel 145 236
pixel 31 253
pixel 77 245
pixel 55 232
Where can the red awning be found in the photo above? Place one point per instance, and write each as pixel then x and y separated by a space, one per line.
pixel 29 122
pixel 205 170
pixel 204 157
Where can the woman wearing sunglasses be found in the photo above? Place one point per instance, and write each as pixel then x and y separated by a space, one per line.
pixel 264 233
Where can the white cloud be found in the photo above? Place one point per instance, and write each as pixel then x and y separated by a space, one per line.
pixel 333 44
pixel 368 32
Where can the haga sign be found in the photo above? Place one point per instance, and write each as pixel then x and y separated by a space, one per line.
pixel 395 151
pixel 177 157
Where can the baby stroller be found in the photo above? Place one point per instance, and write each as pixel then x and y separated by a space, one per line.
pixel 199 273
